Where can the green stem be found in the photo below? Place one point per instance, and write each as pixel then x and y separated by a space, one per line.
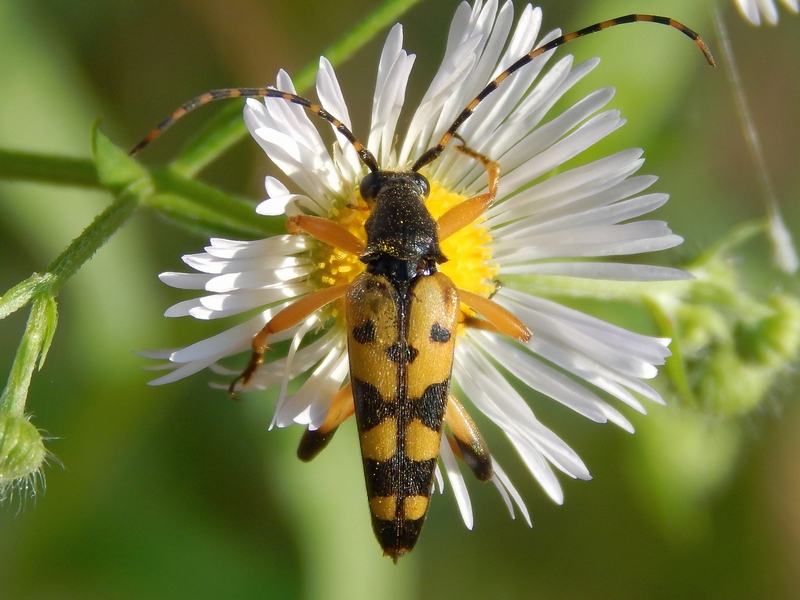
pixel 44 168
pixel 93 237
pixel 228 127
pixel 740 234
pixel 37 333
pixel 554 286
pixel 43 289
pixel 192 202
pixel 676 364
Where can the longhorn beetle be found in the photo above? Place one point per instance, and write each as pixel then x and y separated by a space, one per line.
pixel 401 315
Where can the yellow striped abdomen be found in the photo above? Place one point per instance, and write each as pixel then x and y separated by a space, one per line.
pixel 401 356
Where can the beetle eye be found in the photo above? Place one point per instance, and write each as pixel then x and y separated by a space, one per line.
pixel 422 183
pixel 371 185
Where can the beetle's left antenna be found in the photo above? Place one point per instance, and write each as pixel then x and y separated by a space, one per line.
pixel 365 155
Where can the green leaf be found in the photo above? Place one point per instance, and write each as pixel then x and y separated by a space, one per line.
pixel 115 168
pixel 39 329
pixel 21 294
pixel 49 323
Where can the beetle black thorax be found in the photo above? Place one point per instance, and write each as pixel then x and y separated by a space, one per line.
pixel 402 238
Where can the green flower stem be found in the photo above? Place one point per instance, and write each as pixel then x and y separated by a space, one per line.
pixel 43 168
pixel 198 205
pixel 228 127
pixel 740 234
pixel 93 237
pixel 42 289
pixel 35 341
pixel 554 286
pixel 676 364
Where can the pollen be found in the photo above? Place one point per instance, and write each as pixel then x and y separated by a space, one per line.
pixel 335 266
pixel 468 251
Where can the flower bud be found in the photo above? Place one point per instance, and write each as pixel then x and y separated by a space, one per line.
pixel 22 454
pixel 733 346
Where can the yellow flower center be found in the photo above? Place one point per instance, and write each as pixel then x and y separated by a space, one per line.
pixel 468 250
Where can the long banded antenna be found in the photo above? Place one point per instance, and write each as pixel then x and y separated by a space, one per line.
pixel 433 153
pixel 365 155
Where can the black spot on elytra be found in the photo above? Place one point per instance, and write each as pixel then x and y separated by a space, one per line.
pixel 365 333
pixel 371 409
pixel 400 353
pixel 431 405
pixel 439 333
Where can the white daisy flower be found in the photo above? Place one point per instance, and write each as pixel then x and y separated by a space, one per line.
pixel 754 10
pixel 540 227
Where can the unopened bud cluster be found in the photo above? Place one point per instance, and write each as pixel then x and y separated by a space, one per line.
pixel 22 454
pixel 733 347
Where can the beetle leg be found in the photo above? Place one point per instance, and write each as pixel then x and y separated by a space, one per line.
pixel 500 319
pixel 314 441
pixel 326 231
pixel 466 441
pixel 464 213
pixel 288 317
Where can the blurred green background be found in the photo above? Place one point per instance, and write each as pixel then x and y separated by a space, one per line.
pixel 177 492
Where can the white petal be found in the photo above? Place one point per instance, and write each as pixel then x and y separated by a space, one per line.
pixel 310 170
pixel 453 83
pixel 589 241
pixel 394 69
pixel 602 182
pixel 182 309
pixel 500 106
pixel 332 99
pixel 285 132
pixel 230 282
pixel 566 148
pixel 275 372
pixel 456 482
pixel 209 264
pixel 275 245
pixel 768 9
pixel 544 379
pixel 180 373
pixel 310 404
pixel 749 9
pixel 503 484
pixel 243 300
pixel 185 281
pixel 565 334
pixel 545 136
pixel 231 341
pixel 493 396
pixel 604 214
pixel 439 479
pixel 278 198
pixel 519 421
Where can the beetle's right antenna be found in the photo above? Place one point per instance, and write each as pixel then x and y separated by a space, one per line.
pixel 433 153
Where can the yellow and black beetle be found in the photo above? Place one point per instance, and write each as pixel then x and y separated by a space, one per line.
pixel 401 315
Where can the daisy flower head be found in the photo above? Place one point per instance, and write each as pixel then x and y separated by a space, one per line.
pixel 755 10
pixel 539 229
